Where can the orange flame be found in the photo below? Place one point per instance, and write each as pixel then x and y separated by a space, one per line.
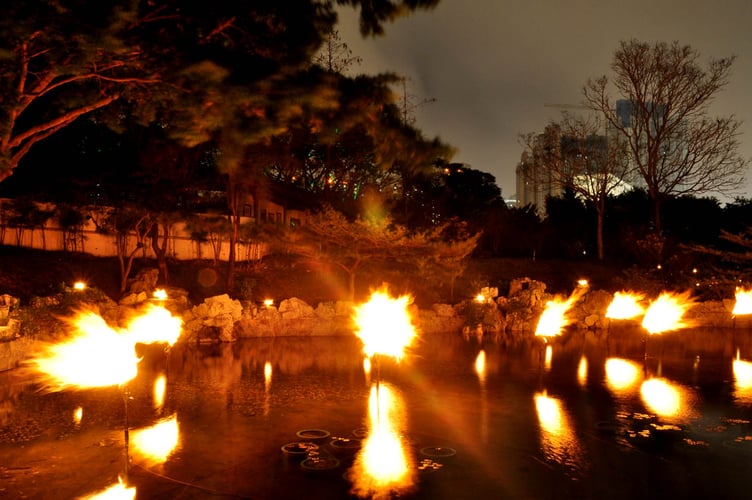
pixel 743 304
pixel 156 325
pixel 160 294
pixel 384 325
pixel 666 312
pixel 97 356
pixel 625 305
pixel 555 316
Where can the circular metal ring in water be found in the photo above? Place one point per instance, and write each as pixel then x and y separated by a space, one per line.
pixel 438 451
pixel 319 463
pixel 313 434
pixel 346 444
pixel 299 448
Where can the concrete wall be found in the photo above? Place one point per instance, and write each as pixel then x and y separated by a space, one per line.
pixel 90 241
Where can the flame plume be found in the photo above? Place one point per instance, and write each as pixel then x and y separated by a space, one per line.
pixel 384 325
pixel 625 305
pixel 666 313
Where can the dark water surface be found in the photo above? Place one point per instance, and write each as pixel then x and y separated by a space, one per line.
pixel 598 416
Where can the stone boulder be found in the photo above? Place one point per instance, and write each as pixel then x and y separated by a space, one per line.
pixel 213 320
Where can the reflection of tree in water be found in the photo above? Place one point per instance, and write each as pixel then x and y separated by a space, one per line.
pixel 11 388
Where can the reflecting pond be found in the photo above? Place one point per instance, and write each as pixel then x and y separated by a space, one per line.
pixel 609 415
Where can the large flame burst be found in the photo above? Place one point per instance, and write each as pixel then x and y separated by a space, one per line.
pixel 384 324
pixel 743 304
pixel 625 305
pixel 666 313
pixel 555 316
pixel 98 355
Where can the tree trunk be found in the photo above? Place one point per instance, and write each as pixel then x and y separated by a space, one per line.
pixel 599 234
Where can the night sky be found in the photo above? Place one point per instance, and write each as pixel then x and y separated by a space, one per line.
pixel 491 65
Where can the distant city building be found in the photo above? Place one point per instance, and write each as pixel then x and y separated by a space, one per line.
pixel 535 181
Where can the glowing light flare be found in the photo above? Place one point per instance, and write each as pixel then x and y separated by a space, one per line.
pixel 155 325
pixel 480 298
pixel 582 370
pixel 96 356
pixel 625 305
pixel 78 414
pixel 79 285
pixel 742 379
pixel 367 365
pixel 621 374
pixel 559 442
pixel 661 397
pixel 382 468
pixel 268 302
pixel 743 303
pixel 384 325
pixel 555 317
pixel 160 389
pixel 549 413
pixel 548 356
pixel 480 365
pixel 117 491
pixel 160 294
pixel 267 375
pixel 156 443
pixel 665 313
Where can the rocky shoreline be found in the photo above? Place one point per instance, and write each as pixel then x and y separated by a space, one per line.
pixel 506 319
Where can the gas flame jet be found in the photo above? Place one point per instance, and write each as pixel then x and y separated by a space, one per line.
pixel 98 355
pixel 625 305
pixel 666 313
pixel 384 325
pixel 743 303
pixel 555 316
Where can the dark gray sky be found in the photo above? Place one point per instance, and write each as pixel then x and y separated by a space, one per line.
pixel 492 64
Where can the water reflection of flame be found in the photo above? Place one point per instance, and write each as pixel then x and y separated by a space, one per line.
pixel 621 374
pixel 549 356
pixel 78 414
pixel 160 388
pixel 480 366
pixel 156 443
pixel 117 491
pixel 558 439
pixel 267 386
pixel 480 370
pixel 382 468
pixel 742 380
pixel 661 397
pixel 582 370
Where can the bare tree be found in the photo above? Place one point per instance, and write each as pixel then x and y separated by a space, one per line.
pixel 335 56
pixel 677 148
pixel 576 155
